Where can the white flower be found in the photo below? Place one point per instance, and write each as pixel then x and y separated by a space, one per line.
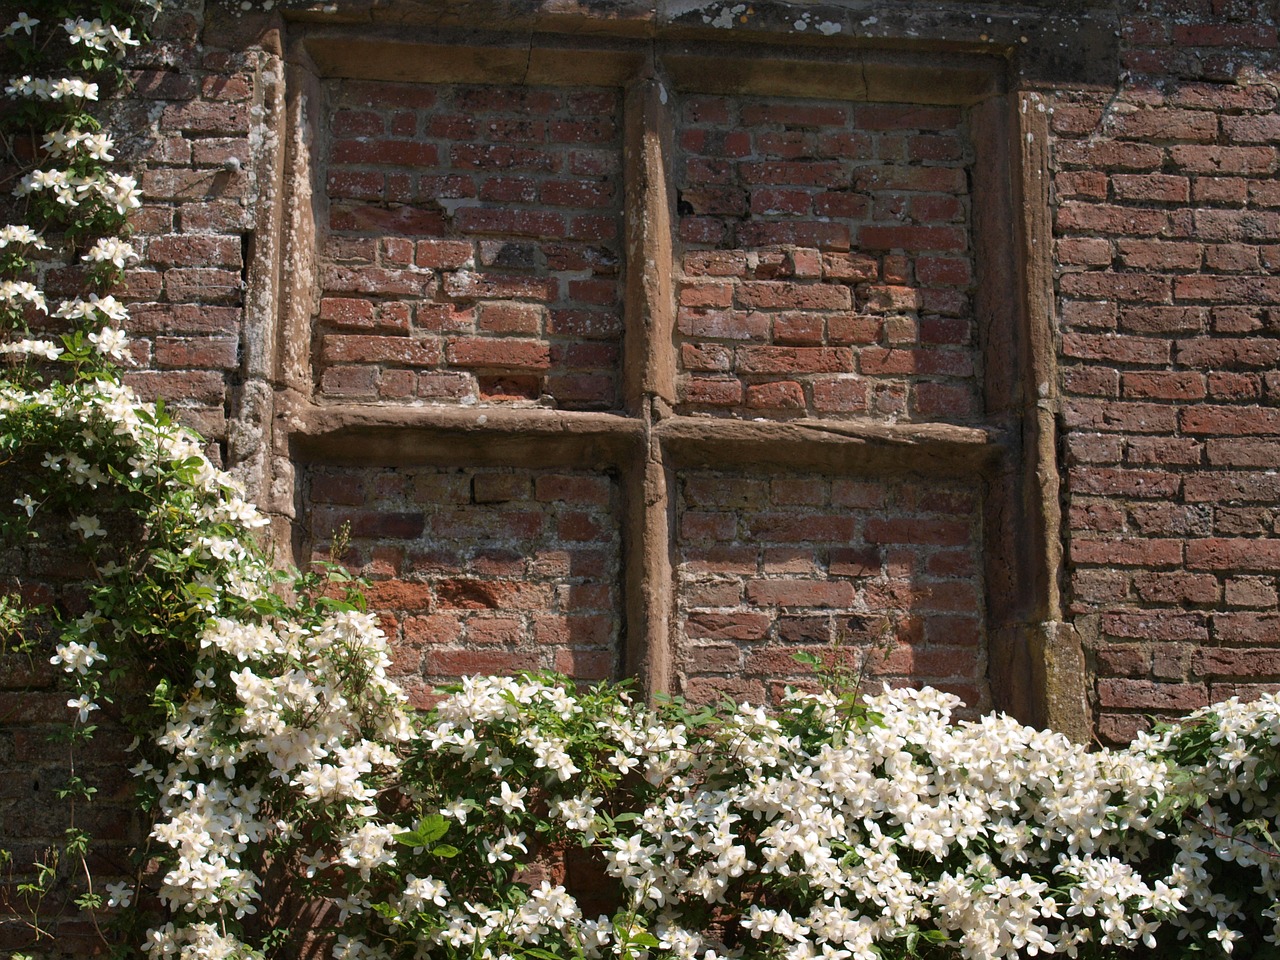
pixel 83 705
pixel 89 32
pixel 1226 936
pixel 21 234
pixel 32 348
pixel 119 895
pixel 94 307
pixel 111 250
pixel 120 191
pixel 23 22
pixel 110 342
pixel 509 800
pixel 77 657
pixel 15 291
pixel 27 503
pixel 121 39
pixel 88 526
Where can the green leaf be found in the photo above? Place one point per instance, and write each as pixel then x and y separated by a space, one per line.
pixel 445 851
pixel 433 827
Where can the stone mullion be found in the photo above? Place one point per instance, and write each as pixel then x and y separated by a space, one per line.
pixel 1036 664
pixel 649 383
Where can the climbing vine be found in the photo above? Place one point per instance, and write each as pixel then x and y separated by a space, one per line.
pixel 294 803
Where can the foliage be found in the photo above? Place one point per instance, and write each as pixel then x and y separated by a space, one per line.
pixel 290 794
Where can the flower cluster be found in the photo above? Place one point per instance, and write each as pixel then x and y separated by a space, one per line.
pixel 264 722
pixel 820 830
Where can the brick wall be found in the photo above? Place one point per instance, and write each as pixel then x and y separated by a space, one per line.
pixel 1166 235
pixel 186 126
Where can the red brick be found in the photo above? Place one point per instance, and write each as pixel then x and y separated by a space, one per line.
pixel 1235 386
pixel 572 489
pixel 1243 453
pixel 349 381
pixel 1229 421
pixel 1108 219
pixel 374 349
pixel 765 294
pixel 399 595
pixel 500 157
pixel 531 223
pixel 1231 258
pixel 1161 123
pixel 1158 625
pixel 462 663
pixel 895 178
pixel 499 353
pixel 780 395
pixel 1105 154
pixel 501 317
pixel 1247 662
pixel 1091 381
pixel 1156 319
pixel 197 352
pixel 1081 183
pixel 446 254
pixel 839 395
pixel 1125 483
pixel 1116 349
pixel 1206 189
pixel 1084 252
pixel 794 360
pixel 1208 487
pixel 1145 695
pixel 1233 554
pixel 800 593
pixel 1164 386
pixel 1254 36
pixel 1224 160
pixel 1157 255
pixel 904 117
pixel 1124 287
pixel 1178 588
pixel 878 360
pixel 917 531
pixel 739 627
pixel 910 238
pixel 1127 553
pixel 1166 450
pixel 712 391
pixel 1252 592
pixel 1231 225
pixel 198 116
pixel 380 95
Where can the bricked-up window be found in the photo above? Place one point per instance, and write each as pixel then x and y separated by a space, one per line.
pixel 474 245
pixel 826 260
pixel 670 365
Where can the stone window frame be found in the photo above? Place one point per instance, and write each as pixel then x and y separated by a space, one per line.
pixel 1036 669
